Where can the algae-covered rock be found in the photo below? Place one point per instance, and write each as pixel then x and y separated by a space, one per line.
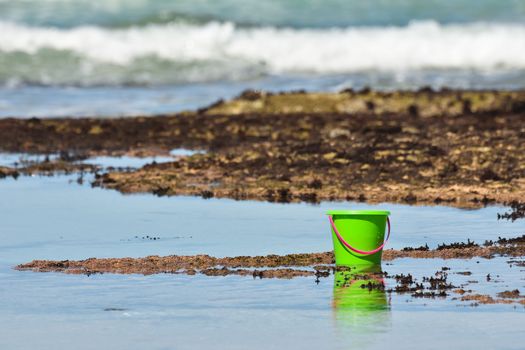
pixel 463 148
pixel 426 103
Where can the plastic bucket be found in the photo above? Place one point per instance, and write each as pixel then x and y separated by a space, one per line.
pixel 358 236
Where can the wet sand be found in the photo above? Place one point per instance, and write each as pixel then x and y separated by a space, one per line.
pixel 458 148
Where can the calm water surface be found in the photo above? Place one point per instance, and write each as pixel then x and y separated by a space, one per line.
pixel 55 218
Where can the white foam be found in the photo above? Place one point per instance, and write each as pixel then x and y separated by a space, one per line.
pixel 420 45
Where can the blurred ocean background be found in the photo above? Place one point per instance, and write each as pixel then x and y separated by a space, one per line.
pixel 128 57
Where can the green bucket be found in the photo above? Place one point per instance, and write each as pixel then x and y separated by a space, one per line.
pixel 358 236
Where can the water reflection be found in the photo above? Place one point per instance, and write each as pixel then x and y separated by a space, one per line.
pixel 360 304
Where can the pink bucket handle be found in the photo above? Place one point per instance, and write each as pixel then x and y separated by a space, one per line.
pixel 346 244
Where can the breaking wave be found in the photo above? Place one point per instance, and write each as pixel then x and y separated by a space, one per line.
pixel 181 52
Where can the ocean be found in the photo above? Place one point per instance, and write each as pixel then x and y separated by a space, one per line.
pixel 114 58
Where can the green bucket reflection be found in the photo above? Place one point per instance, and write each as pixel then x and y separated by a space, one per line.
pixel 359 298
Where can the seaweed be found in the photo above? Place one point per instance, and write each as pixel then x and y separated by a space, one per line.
pixel 457 245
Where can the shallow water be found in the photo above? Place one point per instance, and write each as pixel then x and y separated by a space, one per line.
pixel 125 161
pixel 21 159
pixel 138 162
pixel 54 311
pixel 115 101
pixel 55 218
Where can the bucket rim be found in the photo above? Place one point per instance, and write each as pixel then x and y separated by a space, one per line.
pixel 357 212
